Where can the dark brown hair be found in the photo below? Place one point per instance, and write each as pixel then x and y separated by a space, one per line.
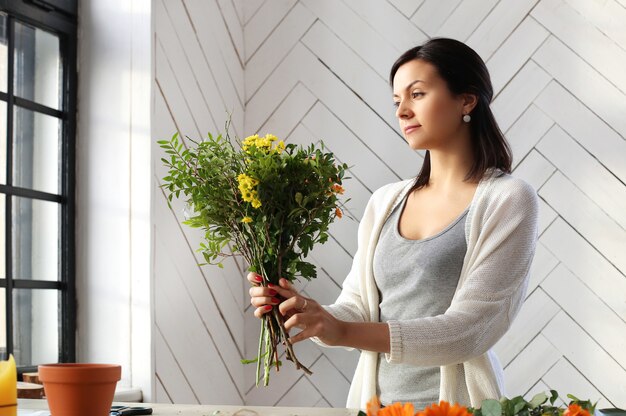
pixel 464 71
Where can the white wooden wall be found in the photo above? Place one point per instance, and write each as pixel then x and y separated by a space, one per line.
pixel 198 52
pixel 316 69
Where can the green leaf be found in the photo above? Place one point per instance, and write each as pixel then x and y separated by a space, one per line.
pixel 518 404
pixel 573 398
pixel 553 396
pixel 491 407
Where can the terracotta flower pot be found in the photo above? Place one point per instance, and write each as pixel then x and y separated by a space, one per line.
pixel 79 389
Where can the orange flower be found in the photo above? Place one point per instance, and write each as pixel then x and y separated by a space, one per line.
pixel 395 409
pixel 575 410
pixel 338 189
pixel 444 409
pixel 338 212
pixel 373 406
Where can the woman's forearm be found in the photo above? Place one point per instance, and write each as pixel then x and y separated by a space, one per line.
pixel 369 336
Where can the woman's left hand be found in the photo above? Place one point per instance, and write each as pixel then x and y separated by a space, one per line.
pixel 309 316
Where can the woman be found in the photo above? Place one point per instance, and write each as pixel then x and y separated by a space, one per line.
pixel 443 259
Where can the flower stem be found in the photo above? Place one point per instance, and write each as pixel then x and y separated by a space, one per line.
pixel 272 332
pixel 291 355
pixel 274 342
pixel 268 361
pixel 259 353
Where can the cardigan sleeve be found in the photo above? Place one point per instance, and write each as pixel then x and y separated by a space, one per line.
pixel 501 245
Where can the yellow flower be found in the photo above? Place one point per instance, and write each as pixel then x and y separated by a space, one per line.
pixel 261 143
pixel 249 141
pixel 280 147
pixel 265 142
pixel 251 197
pixel 246 220
pixel 246 187
pixel 246 182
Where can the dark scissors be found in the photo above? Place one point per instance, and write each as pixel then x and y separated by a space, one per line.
pixel 129 411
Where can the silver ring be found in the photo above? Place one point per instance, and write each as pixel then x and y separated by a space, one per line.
pixel 303 308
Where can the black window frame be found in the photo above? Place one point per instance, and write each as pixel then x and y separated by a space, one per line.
pixel 61 18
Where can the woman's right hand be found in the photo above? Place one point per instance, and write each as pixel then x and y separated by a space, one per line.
pixel 265 298
pixel 298 311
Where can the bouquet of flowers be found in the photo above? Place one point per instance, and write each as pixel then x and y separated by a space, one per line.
pixel 262 199
pixel 541 404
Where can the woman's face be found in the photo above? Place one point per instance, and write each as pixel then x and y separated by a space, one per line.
pixel 430 115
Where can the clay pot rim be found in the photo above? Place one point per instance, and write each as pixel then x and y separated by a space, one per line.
pixel 79 373
pixel 78 365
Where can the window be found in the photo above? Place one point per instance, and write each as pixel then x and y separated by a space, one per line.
pixel 37 129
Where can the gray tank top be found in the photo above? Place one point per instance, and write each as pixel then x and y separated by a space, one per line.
pixel 415 279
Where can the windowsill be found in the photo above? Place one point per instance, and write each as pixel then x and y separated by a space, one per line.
pixel 128 394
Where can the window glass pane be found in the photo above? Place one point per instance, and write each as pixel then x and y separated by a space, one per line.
pixel 4 53
pixel 3 309
pixel 36 150
pixel 35 326
pixel 3 267
pixel 3 324
pixel 37 65
pixel 35 245
pixel 3 142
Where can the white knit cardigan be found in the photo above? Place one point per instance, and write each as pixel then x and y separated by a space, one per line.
pixel 501 232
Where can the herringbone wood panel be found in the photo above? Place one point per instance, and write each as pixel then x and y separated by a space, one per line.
pixel 317 69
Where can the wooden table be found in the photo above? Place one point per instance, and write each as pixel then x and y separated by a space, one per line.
pixel 26 405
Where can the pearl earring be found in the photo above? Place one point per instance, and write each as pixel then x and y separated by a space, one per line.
pixel 467 118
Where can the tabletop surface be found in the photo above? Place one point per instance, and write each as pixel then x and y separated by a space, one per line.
pixel 28 407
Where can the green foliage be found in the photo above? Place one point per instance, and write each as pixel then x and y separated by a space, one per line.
pixel 266 201
pixel 288 196
pixel 540 405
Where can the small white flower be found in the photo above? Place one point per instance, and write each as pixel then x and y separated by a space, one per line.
pixel 188 211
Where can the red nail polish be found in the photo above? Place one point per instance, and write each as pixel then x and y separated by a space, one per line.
pixel 268 307
pixel 272 292
pixel 270 285
pixel 258 278
pixel 275 300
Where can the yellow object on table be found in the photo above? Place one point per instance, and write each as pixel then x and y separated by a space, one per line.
pixel 8 387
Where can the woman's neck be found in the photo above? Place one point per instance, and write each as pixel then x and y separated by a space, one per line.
pixel 449 168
